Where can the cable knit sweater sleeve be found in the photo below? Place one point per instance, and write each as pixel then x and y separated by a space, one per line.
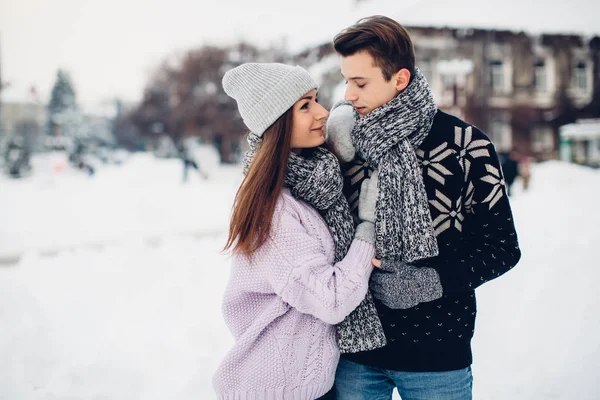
pixel 307 278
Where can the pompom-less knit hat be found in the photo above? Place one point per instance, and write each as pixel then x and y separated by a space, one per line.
pixel 265 91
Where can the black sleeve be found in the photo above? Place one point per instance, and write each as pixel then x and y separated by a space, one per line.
pixel 488 246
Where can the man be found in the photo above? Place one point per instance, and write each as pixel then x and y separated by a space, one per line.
pixel 186 153
pixel 443 222
pixel 510 168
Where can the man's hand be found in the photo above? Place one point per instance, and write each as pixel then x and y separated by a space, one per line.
pixel 400 286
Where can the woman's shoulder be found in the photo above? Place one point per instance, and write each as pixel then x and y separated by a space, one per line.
pixel 290 212
pixel 288 204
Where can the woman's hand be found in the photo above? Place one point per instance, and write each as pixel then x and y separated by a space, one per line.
pixel 339 130
pixel 367 201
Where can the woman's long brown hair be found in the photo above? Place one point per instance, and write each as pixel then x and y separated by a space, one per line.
pixel 257 196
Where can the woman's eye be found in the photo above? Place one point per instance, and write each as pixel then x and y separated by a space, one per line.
pixel 304 106
pixel 361 86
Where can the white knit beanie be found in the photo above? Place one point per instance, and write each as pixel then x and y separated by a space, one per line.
pixel 265 91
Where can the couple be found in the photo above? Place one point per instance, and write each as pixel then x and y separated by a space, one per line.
pixel 362 275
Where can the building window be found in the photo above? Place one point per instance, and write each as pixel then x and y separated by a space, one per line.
pixel 542 139
pixel 581 76
pixel 497 75
pixel 501 133
pixel 540 78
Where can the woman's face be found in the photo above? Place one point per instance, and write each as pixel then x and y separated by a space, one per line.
pixel 308 126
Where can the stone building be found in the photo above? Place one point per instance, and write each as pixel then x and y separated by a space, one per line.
pixel 519 88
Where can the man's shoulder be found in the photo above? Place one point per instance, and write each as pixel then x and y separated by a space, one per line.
pixel 445 123
pixel 444 120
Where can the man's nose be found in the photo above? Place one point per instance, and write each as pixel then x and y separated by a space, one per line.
pixel 350 94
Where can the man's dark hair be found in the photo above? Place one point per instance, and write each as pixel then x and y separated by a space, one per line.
pixel 384 39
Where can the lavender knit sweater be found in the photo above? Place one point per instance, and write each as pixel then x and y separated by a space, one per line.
pixel 281 306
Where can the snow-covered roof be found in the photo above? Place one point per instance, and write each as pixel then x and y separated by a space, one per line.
pixel 534 16
pixel 581 130
pixel 17 93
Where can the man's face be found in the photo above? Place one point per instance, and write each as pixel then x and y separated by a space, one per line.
pixel 366 88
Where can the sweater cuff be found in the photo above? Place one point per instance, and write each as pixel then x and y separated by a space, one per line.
pixel 362 252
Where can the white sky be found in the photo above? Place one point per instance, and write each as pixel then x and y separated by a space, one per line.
pixel 110 47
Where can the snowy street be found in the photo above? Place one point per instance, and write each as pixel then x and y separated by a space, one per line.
pixel 110 286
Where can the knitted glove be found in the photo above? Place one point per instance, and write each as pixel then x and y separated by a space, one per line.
pixel 400 286
pixel 366 209
pixel 339 127
pixel 369 190
pixel 366 231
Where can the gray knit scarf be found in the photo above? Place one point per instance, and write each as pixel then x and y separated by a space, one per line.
pixel 316 178
pixel 387 139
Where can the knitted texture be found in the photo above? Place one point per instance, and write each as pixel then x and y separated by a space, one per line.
pixel 281 304
pixel 265 91
pixel 387 139
pixel 401 285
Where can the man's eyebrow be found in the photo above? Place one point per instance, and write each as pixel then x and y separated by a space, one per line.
pixel 353 78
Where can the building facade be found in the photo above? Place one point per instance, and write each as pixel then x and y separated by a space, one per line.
pixel 518 88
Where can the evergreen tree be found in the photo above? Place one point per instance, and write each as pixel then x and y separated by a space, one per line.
pixel 64 117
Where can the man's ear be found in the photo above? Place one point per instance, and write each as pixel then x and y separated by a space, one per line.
pixel 401 79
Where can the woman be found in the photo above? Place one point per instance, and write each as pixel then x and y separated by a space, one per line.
pixel 296 270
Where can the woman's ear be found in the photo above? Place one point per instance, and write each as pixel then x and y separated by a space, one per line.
pixel 401 79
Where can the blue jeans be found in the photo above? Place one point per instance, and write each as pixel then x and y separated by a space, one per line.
pixel 360 382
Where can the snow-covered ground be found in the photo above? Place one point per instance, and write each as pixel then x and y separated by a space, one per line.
pixel 110 286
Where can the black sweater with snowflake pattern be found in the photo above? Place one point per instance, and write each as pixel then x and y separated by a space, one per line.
pixel 477 242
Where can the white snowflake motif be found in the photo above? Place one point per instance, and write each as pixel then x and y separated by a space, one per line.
pixel 450 215
pixel 432 162
pixel 494 178
pixel 469 202
pixel 469 148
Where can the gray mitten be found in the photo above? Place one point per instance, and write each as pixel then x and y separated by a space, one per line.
pixel 400 286
pixel 369 190
pixel 366 209
pixel 366 231
pixel 339 128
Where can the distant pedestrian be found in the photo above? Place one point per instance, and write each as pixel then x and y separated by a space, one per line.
pixel 510 169
pixel 525 171
pixel 188 158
